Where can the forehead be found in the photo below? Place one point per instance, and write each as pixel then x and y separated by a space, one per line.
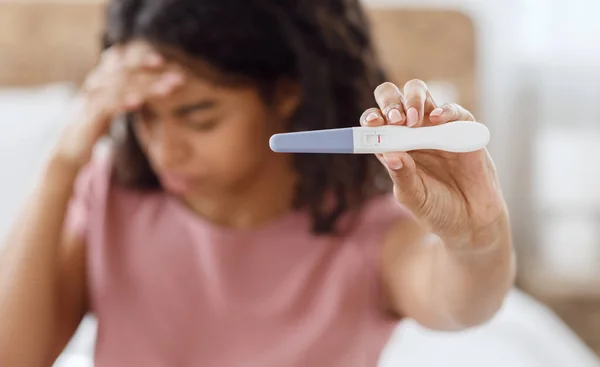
pixel 201 69
pixel 202 81
pixel 197 90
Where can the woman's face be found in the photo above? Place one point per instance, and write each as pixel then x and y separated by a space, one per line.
pixel 206 138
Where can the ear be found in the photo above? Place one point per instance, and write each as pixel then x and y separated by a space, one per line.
pixel 287 98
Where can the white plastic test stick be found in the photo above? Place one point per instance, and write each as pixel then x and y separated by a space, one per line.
pixel 456 136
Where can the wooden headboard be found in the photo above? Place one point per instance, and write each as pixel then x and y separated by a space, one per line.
pixel 47 41
pixel 53 40
pixel 431 45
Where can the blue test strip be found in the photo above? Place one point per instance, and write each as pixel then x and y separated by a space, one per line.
pixel 340 141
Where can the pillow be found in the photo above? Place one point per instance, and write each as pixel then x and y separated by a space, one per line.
pixel 30 121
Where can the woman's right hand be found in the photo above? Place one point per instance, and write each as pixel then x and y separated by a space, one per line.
pixel 126 77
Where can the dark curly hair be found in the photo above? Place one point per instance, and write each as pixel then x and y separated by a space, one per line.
pixel 324 45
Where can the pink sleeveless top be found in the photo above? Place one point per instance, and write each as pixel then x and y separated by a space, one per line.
pixel 169 289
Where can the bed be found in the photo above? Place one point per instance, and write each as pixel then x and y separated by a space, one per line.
pixel 46 48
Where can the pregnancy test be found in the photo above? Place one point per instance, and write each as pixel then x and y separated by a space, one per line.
pixel 456 137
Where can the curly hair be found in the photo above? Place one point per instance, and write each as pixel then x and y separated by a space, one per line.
pixel 324 45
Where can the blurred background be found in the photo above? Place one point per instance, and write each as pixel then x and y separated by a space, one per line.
pixel 529 69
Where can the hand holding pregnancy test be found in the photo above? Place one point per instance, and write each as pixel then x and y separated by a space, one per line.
pixel 435 156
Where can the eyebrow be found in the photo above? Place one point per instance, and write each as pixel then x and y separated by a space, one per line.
pixel 198 106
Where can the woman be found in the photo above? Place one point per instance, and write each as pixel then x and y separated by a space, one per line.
pixel 194 244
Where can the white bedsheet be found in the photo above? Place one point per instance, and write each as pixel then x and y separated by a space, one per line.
pixel 523 334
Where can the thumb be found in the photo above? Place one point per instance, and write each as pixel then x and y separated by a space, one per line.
pixel 408 187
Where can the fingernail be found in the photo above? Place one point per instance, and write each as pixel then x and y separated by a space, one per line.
pixel 371 117
pixel 173 77
pixel 394 116
pixel 437 112
pixel 393 162
pixel 162 88
pixel 412 117
pixel 132 101
pixel 154 60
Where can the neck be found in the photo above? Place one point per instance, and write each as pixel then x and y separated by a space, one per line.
pixel 261 198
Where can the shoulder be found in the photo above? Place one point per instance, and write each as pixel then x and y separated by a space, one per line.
pixel 99 203
pixel 97 187
pixel 90 188
pixel 95 177
pixel 97 190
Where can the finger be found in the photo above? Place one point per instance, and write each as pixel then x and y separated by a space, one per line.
pixel 390 101
pixel 417 101
pixel 394 161
pixel 132 101
pixel 153 60
pixel 372 117
pixel 167 83
pixel 450 112
pixel 107 62
pixel 140 54
pixel 140 61
pixel 402 170
pixel 146 86
pixel 111 60
pixel 111 55
pixel 92 81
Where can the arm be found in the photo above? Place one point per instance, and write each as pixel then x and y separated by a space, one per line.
pixel 41 276
pixel 452 264
pixel 42 283
pixel 447 284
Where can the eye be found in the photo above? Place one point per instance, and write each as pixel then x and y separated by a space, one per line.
pixel 204 126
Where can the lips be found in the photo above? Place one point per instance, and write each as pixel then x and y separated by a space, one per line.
pixel 176 183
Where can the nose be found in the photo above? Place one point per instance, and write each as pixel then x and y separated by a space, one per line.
pixel 169 147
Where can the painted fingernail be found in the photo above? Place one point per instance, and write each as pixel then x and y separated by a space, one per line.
pixel 393 162
pixel 371 117
pixel 394 116
pixel 412 117
pixel 437 112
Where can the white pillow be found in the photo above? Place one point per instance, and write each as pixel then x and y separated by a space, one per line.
pixel 30 121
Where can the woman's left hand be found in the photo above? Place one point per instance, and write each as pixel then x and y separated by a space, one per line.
pixel 456 195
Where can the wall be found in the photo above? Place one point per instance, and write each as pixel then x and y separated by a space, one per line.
pixel 539 83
